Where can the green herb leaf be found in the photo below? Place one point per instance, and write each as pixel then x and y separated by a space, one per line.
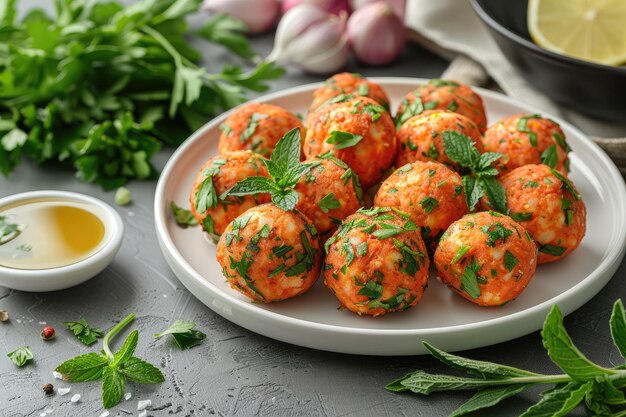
pixel 495 193
pixel 552 250
pixel 409 109
pixel 184 334
pixel 488 398
pixel 20 356
pixel 127 350
pixel 550 157
pixel 510 261
pixel 251 185
pixel 343 140
pixel 228 32
pixel 460 149
pixel 8 230
pixel 429 204
pixel 495 232
pixel 618 327
pixel 286 154
pixel 184 218
pixel 562 351
pixel 140 371
pixel 521 217
pixel 329 202
pixel 83 332
pixel 113 384
pixel 566 184
pixel 83 368
pixel 559 402
pixel 469 279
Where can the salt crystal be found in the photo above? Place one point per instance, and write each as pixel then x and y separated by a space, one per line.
pixel 42 414
pixel 144 413
pixel 57 375
pixel 48 410
pixel 131 214
pixel 127 396
pixel 143 404
pixel 63 391
pixel 75 398
pixel 105 413
pixel 43 323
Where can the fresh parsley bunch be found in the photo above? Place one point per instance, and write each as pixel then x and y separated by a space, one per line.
pixel 102 86
pixel 600 388
pixel 285 171
pixel 480 178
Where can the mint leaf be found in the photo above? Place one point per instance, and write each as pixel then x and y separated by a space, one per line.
pixel 562 351
pixel 140 371
pixel 285 200
pixel 559 402
pixel 618 327
pixel 286 154
pixel 343 140
pixel 429 204
pixel 20 356
pixel 127 349
pixel 251 185
pixel 83 368
pixel 83 332
pixel 460 149
pixel 474 190
pixel 184 334
pixel 487 398
pixel 113 384
pixel 184 218
pixel 486 160
pixel 329 202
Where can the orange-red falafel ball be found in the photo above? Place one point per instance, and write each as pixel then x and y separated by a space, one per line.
pixel 258 127
pixel 429 192
pixel 358 131
pixel 443 95
pixel 328 193
pixel 547 204
pixel 219 174
pixel 376 262
pixel 486 258
pixel 421 137
pixel 269 254
pixel 348 83
pixel 527 139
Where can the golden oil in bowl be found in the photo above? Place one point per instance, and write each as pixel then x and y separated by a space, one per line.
pixel 49 233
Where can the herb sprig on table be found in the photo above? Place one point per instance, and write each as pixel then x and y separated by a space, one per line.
pixel 101 86
pixel 480 180
pixel 184 334
pixel 86 334
pixel 600 388
pixel 115 369
pixel 285 171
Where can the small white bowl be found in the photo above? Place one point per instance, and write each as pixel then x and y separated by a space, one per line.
pixel 53 279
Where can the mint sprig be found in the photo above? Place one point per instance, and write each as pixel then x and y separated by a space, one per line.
pixel 481 177
pixel 115 369
pixel 599 388
pixel 285 171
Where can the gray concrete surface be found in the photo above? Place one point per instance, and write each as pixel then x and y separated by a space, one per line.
pixel 235 372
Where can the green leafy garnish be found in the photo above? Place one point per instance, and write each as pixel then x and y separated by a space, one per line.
pixel 521 217
pixel 86 334
pixel 469 279
pixel 206 197
pixel 595 386
pixel 510 261
pixel 101 86
pixel 285 171
pixel 184 218
pixel 343 140
pixel 20 356
pixel 553 250
pixel 495 232
pixel 115 369
pixel 429 204
pixel 329 202
pixel 481 179
pixel 409 109
pixel 550 157
pixel 184 334
pixel 522 126
pixel 8 230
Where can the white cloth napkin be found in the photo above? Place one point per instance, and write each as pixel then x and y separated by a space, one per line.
pixel 453 25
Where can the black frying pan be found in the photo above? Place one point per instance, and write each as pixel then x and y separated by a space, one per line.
pixel 597 90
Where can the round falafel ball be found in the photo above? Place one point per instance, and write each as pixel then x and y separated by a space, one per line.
pixel 359 132
pixel 376 262
pixel 527 139
pixel 487 258
pixel 548 205
pixel 328 193
pixel 430 192
pixel 219 174
pixel 258 127
pixel 269 254
pixel 348 83
pixel 443 95
pixel 421 137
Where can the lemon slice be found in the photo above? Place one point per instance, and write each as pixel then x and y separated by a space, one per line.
pixel 591 30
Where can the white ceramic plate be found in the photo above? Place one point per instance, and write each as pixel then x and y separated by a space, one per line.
pixel 442 317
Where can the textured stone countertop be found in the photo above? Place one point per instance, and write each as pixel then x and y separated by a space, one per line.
pixel 235 372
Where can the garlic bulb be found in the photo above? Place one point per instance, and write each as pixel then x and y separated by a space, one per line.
pixel 312 39
pixel 258 15
pixel 376 34
pixel 331 6
pixel 398 6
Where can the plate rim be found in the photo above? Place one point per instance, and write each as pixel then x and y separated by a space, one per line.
pixel 609 263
